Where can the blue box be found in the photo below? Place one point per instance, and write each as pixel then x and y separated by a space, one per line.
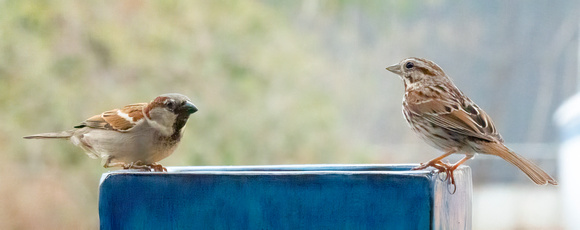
pixel 285 197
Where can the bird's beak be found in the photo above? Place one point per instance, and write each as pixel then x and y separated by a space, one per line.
pixel 189 107
pixel 396 69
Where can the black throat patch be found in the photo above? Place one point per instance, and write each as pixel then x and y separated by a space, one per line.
pixel 180 121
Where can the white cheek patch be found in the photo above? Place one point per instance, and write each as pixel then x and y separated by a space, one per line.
pixel 165 130
pixel 162 120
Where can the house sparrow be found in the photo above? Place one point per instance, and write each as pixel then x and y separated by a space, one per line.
pixel 135 136
pixel 448 120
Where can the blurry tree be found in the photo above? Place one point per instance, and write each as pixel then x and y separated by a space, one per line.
pixel 259 84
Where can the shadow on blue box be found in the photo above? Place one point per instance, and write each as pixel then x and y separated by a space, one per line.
pixel 285 197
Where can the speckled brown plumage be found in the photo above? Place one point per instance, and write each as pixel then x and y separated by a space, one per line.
pixel 448 120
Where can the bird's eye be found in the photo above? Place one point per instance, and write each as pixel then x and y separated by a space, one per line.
pixel 170 104
pixel 409 65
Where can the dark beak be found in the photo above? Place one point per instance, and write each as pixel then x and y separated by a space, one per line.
pixel 189 107
pixel 396 69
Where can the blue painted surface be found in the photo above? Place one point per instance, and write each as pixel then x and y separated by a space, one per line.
pixel 285 197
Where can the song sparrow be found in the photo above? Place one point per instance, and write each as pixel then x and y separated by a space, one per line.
pixel 448 120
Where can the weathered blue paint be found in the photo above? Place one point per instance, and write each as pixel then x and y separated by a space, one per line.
pixel 285 197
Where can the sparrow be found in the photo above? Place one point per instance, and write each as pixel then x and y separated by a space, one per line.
pixel 135 136
pixel 448 120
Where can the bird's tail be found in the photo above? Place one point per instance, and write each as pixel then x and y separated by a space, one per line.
pixel 534 172
pixel 64 134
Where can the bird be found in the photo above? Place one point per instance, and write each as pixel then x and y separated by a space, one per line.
pixel 446 119
pixel 136 136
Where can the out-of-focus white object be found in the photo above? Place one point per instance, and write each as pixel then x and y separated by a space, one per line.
pixel 568 119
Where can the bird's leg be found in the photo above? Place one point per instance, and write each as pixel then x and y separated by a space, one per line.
pixel 157 167
pixel 436 162
pixel 454 166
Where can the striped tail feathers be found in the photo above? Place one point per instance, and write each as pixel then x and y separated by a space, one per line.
pixel 63 135
pixel 534 172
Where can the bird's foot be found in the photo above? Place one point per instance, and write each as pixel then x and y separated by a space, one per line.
pixel 157 167
pixel 447 168
pixel 136 165
pixel 442 166
pixel 438 164
pixel 450 173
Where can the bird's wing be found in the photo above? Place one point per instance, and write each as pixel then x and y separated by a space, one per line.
pixel 456 113
pixel 117 119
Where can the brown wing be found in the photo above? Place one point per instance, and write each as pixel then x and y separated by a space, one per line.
pixel 117 119
pixel 455 113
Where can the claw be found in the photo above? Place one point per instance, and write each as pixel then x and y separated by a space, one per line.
pixel 442 167
pixel 420 167
pixel 447 168
pixel 136 165
pixel 423 166
pixel 157 167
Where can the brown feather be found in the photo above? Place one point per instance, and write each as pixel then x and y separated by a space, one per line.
pixel 534 172
pixel 111 120
pixel 447 119
pixel 448 113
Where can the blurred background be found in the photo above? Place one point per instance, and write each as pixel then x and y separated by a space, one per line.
pixel 279 82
